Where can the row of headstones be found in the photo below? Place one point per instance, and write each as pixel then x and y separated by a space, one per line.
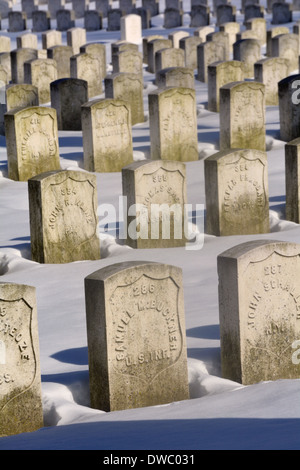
pixel 93 19
pixel 136 332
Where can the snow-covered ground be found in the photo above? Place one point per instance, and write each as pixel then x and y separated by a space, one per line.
pixel 220 414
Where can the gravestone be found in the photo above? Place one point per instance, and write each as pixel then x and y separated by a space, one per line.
pixel 259 319
pixel 232 29
pixel 175 77
pixel 51 38
pixel 254 11
pixel 127 5
pixel 220 73
pixel 41 21
pixel 242 115
pixel 27 40
pixel 107 135
pixel 203 31
pixel 258 26
pixel 189 45
pixel 67 97
pixel 28 6
pixel 31 141
pixel 145 42
pixel 240 205
pixel 292 207
pixel 103 6
pixel 270 71
pixel 145 17
pixel 136 336
pixel 207 53
pixel 87 67
pixel 289 110
pixel 5 62
pixel 173 124
pixel 63 217
pixel 169 57
pixel 18 59
pixel 76 37
pixel 79 7
pixel 173 18
pixel 5 44
pixel 93 20
pixel 282 13
pixel 114 19
pixel 62 56
pixel 155 192
pixel 65 19
pixel 40 73
pixel 221 38
pixel 127 87
pixel 128 62
pixel 54 6
pixel 17 21
pixel 131 28
pixel 287 46
pixel 21 408
pixel 271 33
pixel 154 46
pixel 226 14
pixel 96 49
pixel 247 51
pixel 200 16
pixel 175 37
pixel 152 5
pixel 21 96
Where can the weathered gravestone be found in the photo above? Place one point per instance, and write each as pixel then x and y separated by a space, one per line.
pixel 41 21
pixel 17 96
pixel 127 62
pixel 20 380
pixel 76 37
pixel 218 74
pixel 93 20
pixel 107 135
pixel 127 87
pixel 173 124
pixel 242 116
pixel 271 33
pixel 169 57
pixel 236 191
pixel 40 73
pixel 136 336
pixel 270 71
pixel 5 63
pixel 200 16
pixel 5 43
pixel 54 6
pixel 96 49
pixel 259 311
pixel 17 21
pixel 63 217
pixel 247 51
pixel 65 20
pixel 289 109
pixel 62 56
pixel 31 141
pixel 221 38
pixel 28 6
pixel 79 7
pixel 154 46
pixel 292 186
pixel 258 26
pixel 145 42
pixel 175 77
pixel 114 19
pixel 207 53
pixel 175 37
pixel 51 38
pixel 173 18
pixel 27 40
pixel 287 46
pixel 282 13
pixel 67 97
pixel 232 29
pixel 156 198
pixel 18 59
pixel 225 14
pixel 189 46
pixel 87 67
